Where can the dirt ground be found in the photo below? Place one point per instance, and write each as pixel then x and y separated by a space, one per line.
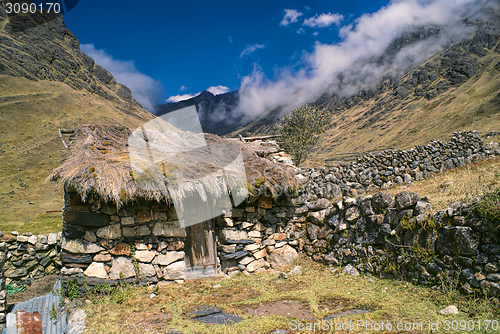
pixel 39 287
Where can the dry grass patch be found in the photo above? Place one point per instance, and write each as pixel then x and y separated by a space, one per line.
pixel 460 184
pixel 321 292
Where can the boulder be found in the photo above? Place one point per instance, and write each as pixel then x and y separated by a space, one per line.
pixel 381 201
pixel 317 217
pixel 352 213
pixel 169 229
pixel 96 269
pixel 121 267
pixel 349 269
pixel 145 255
pixel 255 265
pixel 457 240
pixel 80 246
pixel 120 249
pixel 283 256
pixel 406 200
pixel 168 258
pixel 227 234
pixel 312 231
pixel 146 270
pixel 176 270
pixel 111 232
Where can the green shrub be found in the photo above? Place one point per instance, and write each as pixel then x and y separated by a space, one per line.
pixel 300 130
pixel 73 289
pixel 488 206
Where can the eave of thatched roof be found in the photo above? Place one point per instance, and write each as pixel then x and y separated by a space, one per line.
pixel 115 164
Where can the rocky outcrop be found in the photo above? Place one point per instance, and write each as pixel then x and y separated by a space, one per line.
pixel 39 47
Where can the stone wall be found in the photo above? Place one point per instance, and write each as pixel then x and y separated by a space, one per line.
pixel 144 243
pixel 3 292
pixel 382 170
pixel 29 257
pixel 397 237
pixel 141 243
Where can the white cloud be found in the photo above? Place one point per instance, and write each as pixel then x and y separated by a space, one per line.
pixel 230 40
pixel 145 89
pixel 216 90
pixel 251 48
pixel 323 20
pixel 183 88
pixel 367 38
pixel 291 16
pixel 301 31
pixel 315 33
pixel 177 98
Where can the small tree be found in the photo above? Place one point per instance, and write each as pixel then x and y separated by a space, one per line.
pixel 300 130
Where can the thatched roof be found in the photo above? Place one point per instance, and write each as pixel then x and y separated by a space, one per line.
pixel 119 165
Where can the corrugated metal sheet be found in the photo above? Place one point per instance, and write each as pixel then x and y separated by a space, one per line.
pixel 43 305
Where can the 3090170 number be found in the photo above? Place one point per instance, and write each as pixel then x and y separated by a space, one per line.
pixel 24 8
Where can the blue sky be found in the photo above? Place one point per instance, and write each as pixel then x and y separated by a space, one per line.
pixel 189 46
pixel 275 52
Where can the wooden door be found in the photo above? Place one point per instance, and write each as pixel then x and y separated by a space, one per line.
pixel 200 250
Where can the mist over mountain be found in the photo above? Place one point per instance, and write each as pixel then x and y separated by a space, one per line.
pixel 407 51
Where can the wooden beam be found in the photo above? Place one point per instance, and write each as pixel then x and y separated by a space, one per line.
pixel 60 135
pixel 259 137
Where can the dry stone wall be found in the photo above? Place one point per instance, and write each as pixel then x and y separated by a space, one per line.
pixel 29 257
pixel 379 171
pixel 397 237
pixel 141 243
pixel 3 292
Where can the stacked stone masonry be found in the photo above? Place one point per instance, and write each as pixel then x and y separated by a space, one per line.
pixel 383 170
pixel 140 243
pixel 397 237
pixel 3 292
pixel 29 257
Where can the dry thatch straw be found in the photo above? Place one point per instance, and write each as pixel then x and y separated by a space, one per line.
pixel 114 164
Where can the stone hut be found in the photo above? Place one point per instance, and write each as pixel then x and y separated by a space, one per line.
pixel 156 204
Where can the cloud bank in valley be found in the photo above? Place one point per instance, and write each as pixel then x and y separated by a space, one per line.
pixel 367 38
pixel 145 89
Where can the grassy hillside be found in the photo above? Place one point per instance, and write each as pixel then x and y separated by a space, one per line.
pixel 47 83
pixel 474 105
pixel 456 89
pixel 30 114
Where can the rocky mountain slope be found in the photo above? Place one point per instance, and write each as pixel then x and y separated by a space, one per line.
pixel 47 83
pixel 456 89
pixel 214 111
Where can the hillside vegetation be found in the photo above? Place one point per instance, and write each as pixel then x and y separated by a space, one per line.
pixel 47 83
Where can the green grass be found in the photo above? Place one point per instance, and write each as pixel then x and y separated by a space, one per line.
pixel 324 293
